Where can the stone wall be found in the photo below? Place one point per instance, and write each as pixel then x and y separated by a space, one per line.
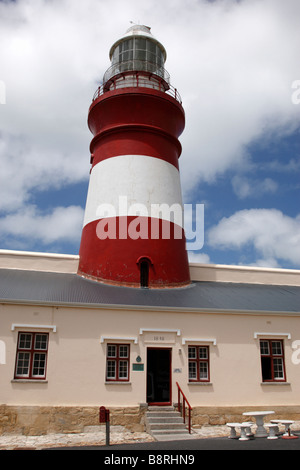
pixel 39 420
pixel 218 416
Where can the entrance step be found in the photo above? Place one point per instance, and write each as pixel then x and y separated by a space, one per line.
pixel 165 423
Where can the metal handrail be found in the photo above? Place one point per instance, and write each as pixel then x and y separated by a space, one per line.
pixel 184 402
pixel 135 65
pixel 133 79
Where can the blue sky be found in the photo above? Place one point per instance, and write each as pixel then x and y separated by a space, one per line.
pixel 234 64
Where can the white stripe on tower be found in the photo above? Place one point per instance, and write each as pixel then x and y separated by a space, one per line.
pixel 136 179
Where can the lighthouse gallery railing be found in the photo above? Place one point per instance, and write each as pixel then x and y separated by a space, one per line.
pixel 137 79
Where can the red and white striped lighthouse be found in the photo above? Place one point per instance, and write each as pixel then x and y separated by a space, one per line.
pixel 133 226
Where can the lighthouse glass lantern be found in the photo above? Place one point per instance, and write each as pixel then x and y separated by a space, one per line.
pixel 133 225
pixel 137 51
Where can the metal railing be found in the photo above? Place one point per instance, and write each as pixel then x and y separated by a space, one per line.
pixel 135 65
pixel 182 408
pixel 139 79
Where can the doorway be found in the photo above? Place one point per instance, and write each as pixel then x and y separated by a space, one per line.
pixel 159 376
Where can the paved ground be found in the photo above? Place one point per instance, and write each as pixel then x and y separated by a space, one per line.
pixel 196 445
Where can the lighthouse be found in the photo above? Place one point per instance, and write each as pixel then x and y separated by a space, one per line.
pixel 133 230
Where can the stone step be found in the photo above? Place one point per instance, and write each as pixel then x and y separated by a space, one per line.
pixel 162 415
pixel 165 419
pixel 161 408
pixel 167 426
pixel 164 423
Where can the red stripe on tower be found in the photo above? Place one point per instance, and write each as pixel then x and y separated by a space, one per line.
pixel 133 227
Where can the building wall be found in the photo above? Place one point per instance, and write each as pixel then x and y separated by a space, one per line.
pixel 75 384
pixel 77 356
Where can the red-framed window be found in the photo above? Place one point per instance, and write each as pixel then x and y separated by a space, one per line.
pixel 199 364
pixel 32 353
pixel 117 362
pixel 272 360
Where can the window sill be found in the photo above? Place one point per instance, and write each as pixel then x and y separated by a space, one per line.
pixel 200 383
pixel 275 383
pixel 116 382
pixel 31 381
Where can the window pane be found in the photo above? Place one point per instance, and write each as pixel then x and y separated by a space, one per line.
pixel 23 364
pixel 123 351
pixel 277 348
pixel 192 353
pixel 39 363
pixel 140 55
pixel 123 369
pixel 41 342
pixel 111 350
pixel 25 341
pixel 140 43
pixel 192 370
pixel 264 347
pixel 278 368
pixel 203 370
pixel 266 368
pixel 111 369
pixel 203 353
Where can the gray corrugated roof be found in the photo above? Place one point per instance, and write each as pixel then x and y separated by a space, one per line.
pixel 70 289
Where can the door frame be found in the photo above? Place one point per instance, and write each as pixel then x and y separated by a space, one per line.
pixel 164 403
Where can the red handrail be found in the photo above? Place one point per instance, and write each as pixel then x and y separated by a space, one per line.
pixel 184 402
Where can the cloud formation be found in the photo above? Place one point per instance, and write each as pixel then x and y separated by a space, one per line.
pixel 61 224
pixel 273 235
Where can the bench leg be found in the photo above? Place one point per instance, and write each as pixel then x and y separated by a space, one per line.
pixel 243 435
pixel 272 433
pixel 233 434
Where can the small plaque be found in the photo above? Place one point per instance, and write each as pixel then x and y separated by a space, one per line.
pixel 139 367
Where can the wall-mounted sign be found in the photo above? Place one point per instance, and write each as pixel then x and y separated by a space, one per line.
pixel 139 367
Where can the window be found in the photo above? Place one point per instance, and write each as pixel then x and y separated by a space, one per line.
pixel 140 50
pixel 31 360
pixel 117 362
pixel 272 360
pixel 199 364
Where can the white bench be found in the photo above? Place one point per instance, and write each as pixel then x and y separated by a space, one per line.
pixel 245 430
pixel 273 430
pixel 233 427
pixel 286 422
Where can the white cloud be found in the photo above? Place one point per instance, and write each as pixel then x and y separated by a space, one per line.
pixel 244 187
pixel 273 235
pixel 62 224
pixel 235 76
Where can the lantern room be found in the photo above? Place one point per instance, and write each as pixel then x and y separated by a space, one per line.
pixel 135 56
